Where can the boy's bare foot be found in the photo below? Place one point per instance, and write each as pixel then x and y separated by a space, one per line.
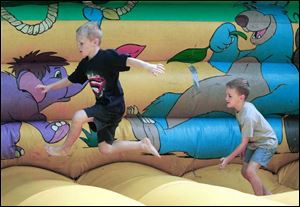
pixel 57 150
pixel 148 147
pixel 267 192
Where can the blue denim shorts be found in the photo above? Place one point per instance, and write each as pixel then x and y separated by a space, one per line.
pixel 261 156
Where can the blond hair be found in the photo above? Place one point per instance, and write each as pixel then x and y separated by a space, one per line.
pixel 241 85
pixel 90 30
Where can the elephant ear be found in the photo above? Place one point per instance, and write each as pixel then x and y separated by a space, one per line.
pixel 27 81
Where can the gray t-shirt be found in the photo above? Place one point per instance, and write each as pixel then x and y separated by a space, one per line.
pixel 254 126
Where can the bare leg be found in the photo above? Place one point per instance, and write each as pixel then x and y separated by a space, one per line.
pixel 78 120
pixel 243 171
pixel 251 173
pixel 124 146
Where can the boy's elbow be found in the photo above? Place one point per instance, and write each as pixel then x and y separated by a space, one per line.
pixel 245 141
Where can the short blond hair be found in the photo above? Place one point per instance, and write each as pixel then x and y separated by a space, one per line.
pixel 241 85
pixel 90 30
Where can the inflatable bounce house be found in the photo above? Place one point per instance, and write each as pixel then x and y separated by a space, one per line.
pixel 202 45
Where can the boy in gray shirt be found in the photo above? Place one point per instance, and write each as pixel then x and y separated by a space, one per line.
pixel 259 141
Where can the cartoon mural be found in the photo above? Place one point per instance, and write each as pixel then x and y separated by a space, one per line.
pixel 34 29
pixel 96 13
pixel 91 12
pixel 21 102
pixel 270 56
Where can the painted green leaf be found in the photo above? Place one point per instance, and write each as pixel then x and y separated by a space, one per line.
pixel 91 138
pixel 110 14
pixel 238 33
pixel 191 55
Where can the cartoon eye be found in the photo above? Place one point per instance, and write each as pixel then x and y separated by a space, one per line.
pixel 57 74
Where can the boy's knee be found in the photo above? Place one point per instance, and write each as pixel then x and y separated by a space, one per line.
pixel 105 148
pixel 79 117
pixel 249 173
pixel 243 172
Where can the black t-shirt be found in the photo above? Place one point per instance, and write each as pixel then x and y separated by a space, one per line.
pixel 102 72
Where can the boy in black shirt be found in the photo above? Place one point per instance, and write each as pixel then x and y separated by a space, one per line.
pixel 101 68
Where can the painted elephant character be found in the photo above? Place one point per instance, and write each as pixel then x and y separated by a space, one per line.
pixel 21 102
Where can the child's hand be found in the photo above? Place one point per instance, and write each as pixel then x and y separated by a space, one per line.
pixel 224 162
pixel 42 88
pixel 156 69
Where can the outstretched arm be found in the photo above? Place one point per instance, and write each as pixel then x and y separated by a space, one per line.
pixel 238 150
pixel 57 85
pixel 155 69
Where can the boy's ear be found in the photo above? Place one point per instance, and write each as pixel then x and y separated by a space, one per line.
pixel 97 41
pixel 242 97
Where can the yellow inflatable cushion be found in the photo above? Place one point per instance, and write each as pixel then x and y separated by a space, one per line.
pixel 231 177
pixel 289 175
pixel 187 193
pixel 290 198
pixel 78 195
